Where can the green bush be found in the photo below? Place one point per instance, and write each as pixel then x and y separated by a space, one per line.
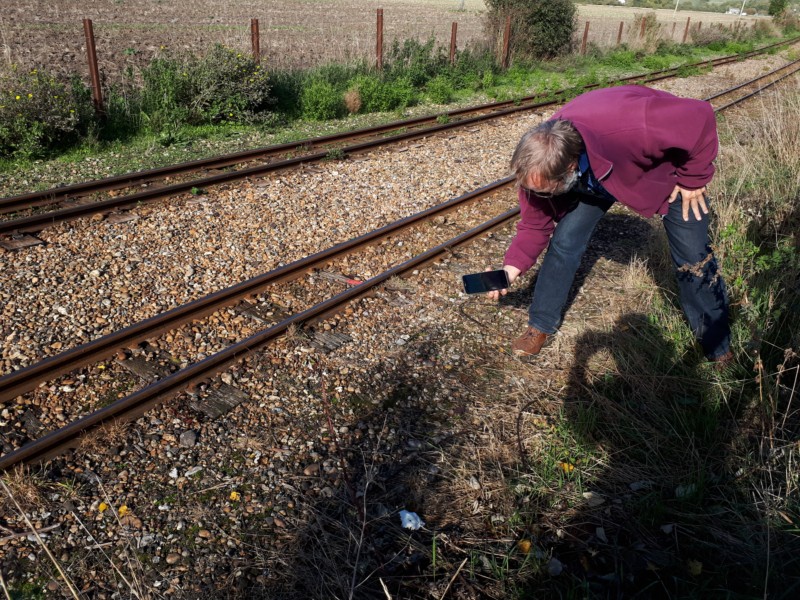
pixel 378 95
pixel 669 47
pixel 40 114
pixel 440 89
pixel 788 22
pixel 471 65
pixel 321 101
pixel 286 88
pixel 620 59
pixel 415 61
pixel 713 38
pixel 222 86
pixel 540 28
pixel 654 62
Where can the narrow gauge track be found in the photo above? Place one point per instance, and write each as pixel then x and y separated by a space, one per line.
pixel 280 157
pixel 136 404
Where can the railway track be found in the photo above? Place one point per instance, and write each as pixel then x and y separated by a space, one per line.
pixel 48 207
pixel 133 405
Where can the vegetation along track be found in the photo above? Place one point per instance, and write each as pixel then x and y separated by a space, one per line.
pixel 167 384
pixel 75 201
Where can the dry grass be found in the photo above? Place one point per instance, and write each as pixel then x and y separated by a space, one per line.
pixel 105 439
pixel 25 487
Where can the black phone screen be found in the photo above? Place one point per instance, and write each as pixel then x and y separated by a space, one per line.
pixel 477 283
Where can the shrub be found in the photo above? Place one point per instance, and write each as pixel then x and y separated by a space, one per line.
pixel 472 64
pixel 654 62
pixel 440 89
pixel 321 101
pixel 652 32
pixel 286 87
pixel 221 86
pixel 415 61
pixel 788 22
pixel 621 59
pixel 540 28
pixel 714 38
pixel 378 95
pixel 761 30
pixel 230 87
pixel 39 113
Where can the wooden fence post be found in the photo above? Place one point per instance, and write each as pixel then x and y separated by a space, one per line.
pixel 585 37
pixel 94 72
pixel 453 31
pixel 379 42
pixel 672 35
pixel 255 40
pixel 619 33
pixel 699 25
pixel 641 29
pixel 506 42
pixel 686 31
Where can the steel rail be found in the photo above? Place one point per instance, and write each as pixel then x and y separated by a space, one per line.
pixel 26 379
pixel 138 403
pixel 753 81
pixel 54 195
pixel 758 91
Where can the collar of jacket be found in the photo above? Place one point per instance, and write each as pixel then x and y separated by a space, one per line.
pixel 601 166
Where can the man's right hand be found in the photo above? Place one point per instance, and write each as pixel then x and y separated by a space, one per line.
pixel 513 273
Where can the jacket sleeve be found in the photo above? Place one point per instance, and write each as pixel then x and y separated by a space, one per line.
pixel 534 228
pixel 683 131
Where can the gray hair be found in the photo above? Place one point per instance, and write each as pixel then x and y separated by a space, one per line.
pixel 548 149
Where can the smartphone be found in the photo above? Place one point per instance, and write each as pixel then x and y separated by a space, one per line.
pixel 477 283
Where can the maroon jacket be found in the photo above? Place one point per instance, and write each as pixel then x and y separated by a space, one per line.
pixel 640 143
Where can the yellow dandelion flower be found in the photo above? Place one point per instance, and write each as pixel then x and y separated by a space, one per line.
pixel 102 507
pixel 235 496
pixel 566 467
pixel 123 510
pixel 695 567
pixel 30 95
pixel 17 98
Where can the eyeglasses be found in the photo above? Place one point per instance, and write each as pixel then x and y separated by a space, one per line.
pixel 565 183
pixel 545 195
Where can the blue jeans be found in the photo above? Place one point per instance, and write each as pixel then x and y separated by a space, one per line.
pixel 702 290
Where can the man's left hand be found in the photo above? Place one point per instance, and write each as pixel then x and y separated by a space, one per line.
pixel 694 199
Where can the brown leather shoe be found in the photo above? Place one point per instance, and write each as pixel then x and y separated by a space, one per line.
pixel 723 362
pixel 529 343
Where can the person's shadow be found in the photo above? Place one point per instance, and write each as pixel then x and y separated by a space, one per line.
pixel 661 510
